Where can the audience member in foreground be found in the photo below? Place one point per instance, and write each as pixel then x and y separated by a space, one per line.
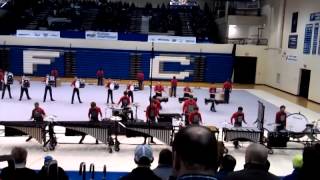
pixel 227 166
pixel 311 156
pixel 195 154
pixel 256 165
pixel 164 169
pixel 51 171
pixel 20 172
pixel 143 157
pixel 297 163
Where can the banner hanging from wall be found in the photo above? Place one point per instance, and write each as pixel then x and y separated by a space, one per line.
pixel 172 39
pixel 38 34
pixel 293 41
pixel 315 16
pixel 102 35
pixel 307 39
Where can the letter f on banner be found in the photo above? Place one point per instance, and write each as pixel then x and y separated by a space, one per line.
pixel 32 58
pixel 159 74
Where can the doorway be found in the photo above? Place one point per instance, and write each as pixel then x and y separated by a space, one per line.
pixel 245 70
pixel 304 82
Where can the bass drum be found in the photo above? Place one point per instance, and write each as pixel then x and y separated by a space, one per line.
pixel 296 123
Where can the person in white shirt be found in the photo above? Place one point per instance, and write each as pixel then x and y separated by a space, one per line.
pixel 76 85
pixel 48 88
pixel 6 85
pixel 25 84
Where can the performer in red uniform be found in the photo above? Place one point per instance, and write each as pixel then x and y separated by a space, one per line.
pixel 1 78
pixel 93 115
pixel 237 119
pixel 110 90
pixel 174 84
pixel 129 90
pixel 55 74
pixel 158 89
pixel 140 77
pixel 187 91
pixel 124 100
pixel 100 76
pixel 76 85
pixel 189 106
pixel 195 117
pixel 152 113
pixel 37 113
pixel 227 87
pixel 281 119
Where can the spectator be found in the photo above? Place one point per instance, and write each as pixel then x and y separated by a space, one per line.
pixel 297 163
pixel 164 168
pixel 19 155
pixel 143 157
pixel 45 174
pixel 227 166
pixel 195 153
pixel 311 155
pixel 256 164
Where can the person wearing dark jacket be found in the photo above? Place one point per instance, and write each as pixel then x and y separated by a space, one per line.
pixel 227 166
pixel 47 174
pixel 20 171
pixel 164 168
pixel 255 168
pixel 143 157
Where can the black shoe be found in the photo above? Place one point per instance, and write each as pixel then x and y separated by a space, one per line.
pixel 72 103
pixel 152 142
pixel 80 102
pixel 29 98
pixel 97 142
pixel 53 100
pixel 19 99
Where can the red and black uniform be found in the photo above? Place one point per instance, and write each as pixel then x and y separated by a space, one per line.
pixel 76 85
pixel 152 112
pixel 227 87
pixel 110 92
pixel 5 85
pixel 238 118
pixel 188 108
pixel 93 114
pixel 55 74
pixel 140 77
pixel 158 89
pixel 100 75
pixel 186 92
pixel 37 114
pixel 1 78
pixel 174 84
pixel 125 101
pixel 212 91
pixel 281 120
pixel 130 92
pixel 195 118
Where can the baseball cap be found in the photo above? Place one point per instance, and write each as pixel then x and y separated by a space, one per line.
pixel 143 151
pixel 297 161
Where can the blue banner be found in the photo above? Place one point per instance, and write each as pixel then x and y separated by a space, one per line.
pixel 315 38
pixel 102 35
pixel 307 39
pixel 37 34
pixel 315 16
pixel 293 41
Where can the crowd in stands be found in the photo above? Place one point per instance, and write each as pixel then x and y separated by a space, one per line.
pixel 195 155
pixel 104 15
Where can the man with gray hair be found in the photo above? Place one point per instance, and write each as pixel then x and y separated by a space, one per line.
pixel 20 171
pixel 255 168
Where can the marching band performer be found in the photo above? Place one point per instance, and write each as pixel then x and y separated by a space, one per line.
pixel 140 77
pixel 174 84
pixel 189 106
pixel 25 84
pixel 152 113
pixel 158 89
pixel 212 92
pixel 6 85
pixel 1 77
pixel 281 119
pixel 55 74
pixel 37 115
pixel 76 85
pixel 130 89
pixel 93 115
pixel 100 76
pixel 237 119
pixel 195 117
pixel 110 90
pixel 47 88
pixel 187 91
pixel 125 102
pixel 227 87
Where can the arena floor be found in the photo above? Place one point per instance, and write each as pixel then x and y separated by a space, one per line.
pixel 69 156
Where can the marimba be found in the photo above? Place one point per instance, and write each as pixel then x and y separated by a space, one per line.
pixel 241 134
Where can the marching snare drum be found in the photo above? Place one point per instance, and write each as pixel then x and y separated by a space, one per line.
pixel 131 88
pixel 10 78
pixel 26 83
pixel 51 80
pixel 82 83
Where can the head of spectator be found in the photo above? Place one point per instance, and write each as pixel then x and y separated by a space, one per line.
pixel 165 157
pixel 195 151
pixel 256 154
pixel 228 163
pixel 311 154
pixel 143 155
pixel 19 155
